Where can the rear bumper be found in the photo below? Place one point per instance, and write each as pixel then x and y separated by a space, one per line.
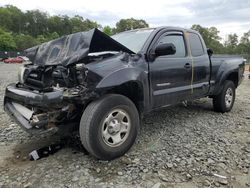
pixel 16 101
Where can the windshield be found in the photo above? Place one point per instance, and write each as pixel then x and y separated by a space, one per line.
pixel 133 40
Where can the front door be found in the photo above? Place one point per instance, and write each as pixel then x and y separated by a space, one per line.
pixel 170 75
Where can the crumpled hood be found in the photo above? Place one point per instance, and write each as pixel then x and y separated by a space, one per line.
pixel 73 48
pixel 108 65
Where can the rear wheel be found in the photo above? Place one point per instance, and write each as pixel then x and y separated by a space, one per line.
pixel 109 126
pixel 225 100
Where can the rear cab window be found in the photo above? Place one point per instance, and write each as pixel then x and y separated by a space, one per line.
pixel 195 43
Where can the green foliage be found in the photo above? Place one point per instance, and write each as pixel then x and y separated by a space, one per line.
pixel 20 30
pixel 131 23
pixel 5 18
pixel 52 36
pixel 7 42
pixel 25 41
pixel 232 40
pixel 243 48
pixel 45 38
pixel 36 22
pixel 231 45
pixel 41 39
pixel 211 37
pixel 108 30
pixel 17 17
pixel 26 29
pixel 245 39
pixel 56 24
pixel 11 18
pixel 64 25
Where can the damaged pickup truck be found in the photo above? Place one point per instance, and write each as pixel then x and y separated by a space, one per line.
pixel 102 86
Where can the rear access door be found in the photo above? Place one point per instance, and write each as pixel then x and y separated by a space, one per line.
pixel 200 65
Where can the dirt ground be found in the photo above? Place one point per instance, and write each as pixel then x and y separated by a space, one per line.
pixel 178 147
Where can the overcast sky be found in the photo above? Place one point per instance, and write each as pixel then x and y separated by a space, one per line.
pixel 229 16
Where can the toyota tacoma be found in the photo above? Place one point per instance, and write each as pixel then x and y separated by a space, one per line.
pixel 102 86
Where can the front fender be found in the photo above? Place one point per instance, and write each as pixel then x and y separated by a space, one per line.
pixel 122 76
pixel 126 75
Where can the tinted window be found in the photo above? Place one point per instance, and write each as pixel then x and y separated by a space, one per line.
pixel 195 45
pixel 178 42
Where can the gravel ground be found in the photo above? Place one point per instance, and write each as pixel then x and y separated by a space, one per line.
pixel 178 147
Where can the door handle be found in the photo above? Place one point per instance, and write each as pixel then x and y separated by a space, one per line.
pixel 187 65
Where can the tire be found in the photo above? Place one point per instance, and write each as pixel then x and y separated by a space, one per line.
pixel 104 131
pixel 221 102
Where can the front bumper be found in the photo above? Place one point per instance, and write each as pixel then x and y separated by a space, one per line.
pixel 18 100
pixel 29 97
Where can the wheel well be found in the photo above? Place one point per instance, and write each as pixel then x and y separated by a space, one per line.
pixel 234 78
pixel 133 91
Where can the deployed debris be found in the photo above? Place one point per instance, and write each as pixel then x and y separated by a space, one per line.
pixel 45 151
pixel 72 141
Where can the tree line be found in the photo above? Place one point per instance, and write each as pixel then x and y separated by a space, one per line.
pixel 20 30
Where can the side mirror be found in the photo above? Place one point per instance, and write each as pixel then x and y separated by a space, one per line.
pixel 165 49
pixel 210 52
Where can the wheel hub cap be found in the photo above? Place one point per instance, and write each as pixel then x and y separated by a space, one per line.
pixel 116 127
pixel 229 97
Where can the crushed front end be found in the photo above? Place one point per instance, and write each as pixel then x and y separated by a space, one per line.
pixel 54 89
pixel 48 98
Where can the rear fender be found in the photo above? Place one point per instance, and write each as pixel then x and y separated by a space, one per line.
pixel 222 75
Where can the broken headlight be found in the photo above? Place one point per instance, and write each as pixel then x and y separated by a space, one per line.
pixel 21 74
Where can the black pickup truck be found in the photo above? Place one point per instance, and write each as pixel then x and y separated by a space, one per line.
pixel 102 86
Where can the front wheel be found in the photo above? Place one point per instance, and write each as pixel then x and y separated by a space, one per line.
pixel 225 100
pixel 109 126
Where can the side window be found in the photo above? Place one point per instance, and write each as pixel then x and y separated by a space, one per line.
pixel 196 46
pixel 177 41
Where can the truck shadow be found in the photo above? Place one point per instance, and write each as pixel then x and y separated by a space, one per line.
pixel 21 151
pixel 196 106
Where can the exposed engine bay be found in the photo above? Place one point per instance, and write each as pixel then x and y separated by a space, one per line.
pixel 63 92
pixel 45 78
